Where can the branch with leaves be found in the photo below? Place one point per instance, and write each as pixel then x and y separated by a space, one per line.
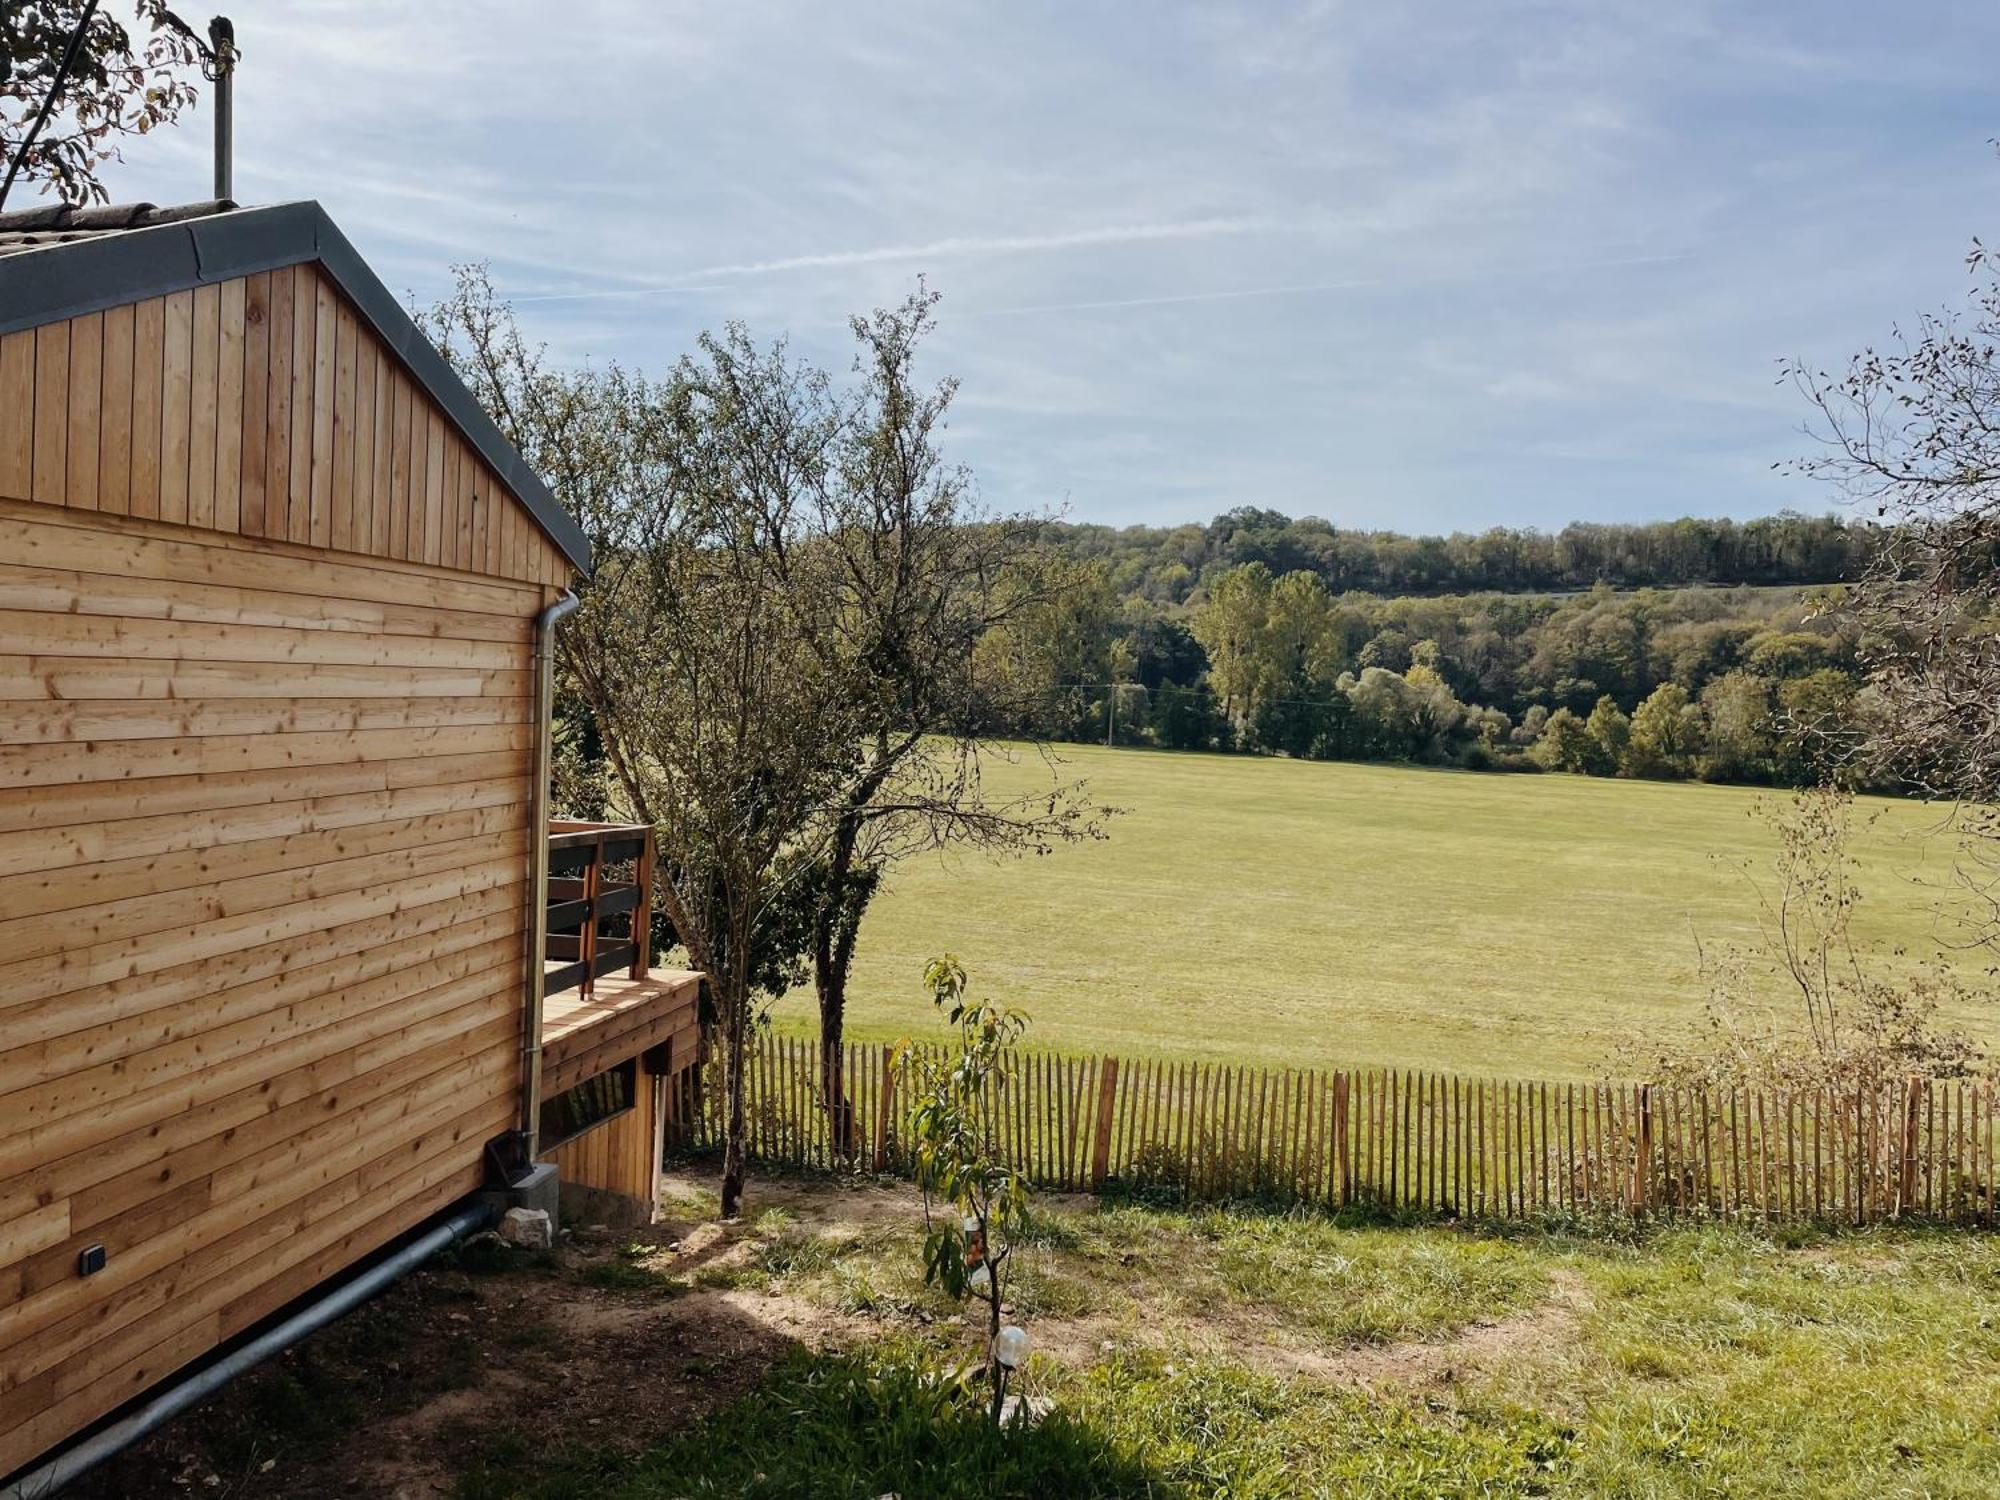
pixel 98 81
pixel 975 1201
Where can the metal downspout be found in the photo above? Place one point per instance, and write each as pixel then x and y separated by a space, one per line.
pixel 538 885
pixel 177 1397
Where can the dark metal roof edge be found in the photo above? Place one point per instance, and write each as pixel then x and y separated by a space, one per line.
pixel 69 279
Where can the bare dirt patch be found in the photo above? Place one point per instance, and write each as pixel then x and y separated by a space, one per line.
pixel 1255 1338
pixel 621 1339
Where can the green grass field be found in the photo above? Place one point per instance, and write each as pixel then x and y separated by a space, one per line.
pixel 1331 914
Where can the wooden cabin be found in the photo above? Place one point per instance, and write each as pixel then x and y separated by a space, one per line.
pixel 275 979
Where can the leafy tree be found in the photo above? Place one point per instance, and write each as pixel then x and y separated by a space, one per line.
pixel 1736 708
pixel 1052 646
pixel 1566 744
pixel 1383 712
pixel 1299 648
pixel 698 653
pixel 919 578
pixel 1611 731
pixel 1534 723
pixel 1790 653
pixel 1819 726
pixel 777 551
pixel 1666 734
pixel 113 84
pixel 1191 719
pixel 1165 653
pixel 1233 628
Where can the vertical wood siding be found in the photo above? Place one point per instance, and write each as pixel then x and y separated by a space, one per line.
pixel 263 852
pixel 262 406
pixel 623 1155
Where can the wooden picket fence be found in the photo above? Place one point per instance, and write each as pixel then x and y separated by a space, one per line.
pixel 1433 1142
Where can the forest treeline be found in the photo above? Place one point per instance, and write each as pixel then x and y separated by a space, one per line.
pixel 1167 565
pixel 1732 661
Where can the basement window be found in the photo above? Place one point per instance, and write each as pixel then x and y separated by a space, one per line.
pixel 590 1104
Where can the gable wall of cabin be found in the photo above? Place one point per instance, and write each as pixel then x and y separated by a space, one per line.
pixel 260 407
pixel 264 847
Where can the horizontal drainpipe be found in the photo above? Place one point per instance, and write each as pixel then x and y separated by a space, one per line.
pixel 538 886
pixel 458 1224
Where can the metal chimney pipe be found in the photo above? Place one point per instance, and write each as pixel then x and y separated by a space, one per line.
pixel 222 41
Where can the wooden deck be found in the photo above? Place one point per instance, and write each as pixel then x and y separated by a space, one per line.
pixel 582 1035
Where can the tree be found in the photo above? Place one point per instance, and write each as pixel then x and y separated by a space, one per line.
pixel 1565 744
pixel 1819 726
pixel 1384 712
pixel 698 652
pixel 1190 719
pixel 975 1200
pixel 1051 655
pixel 1736 707
pixel 1841 1018
pixel 1611 732
pixel 920 577
pixel 1534 723
pixel 1666 733
pixel 99 82
pixel 1232 628
pixel 1911 432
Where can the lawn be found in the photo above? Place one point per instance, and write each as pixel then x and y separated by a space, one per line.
pixel 1227 1351
pixel 1325 913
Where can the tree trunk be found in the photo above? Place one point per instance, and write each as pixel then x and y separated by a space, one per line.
pixel 834 931
pixel 996 1369
pixel 833 1081
pixel 735 1027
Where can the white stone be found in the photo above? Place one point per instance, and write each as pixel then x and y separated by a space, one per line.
pixel 528 1229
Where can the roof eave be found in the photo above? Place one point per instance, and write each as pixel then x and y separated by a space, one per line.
pixel 84 276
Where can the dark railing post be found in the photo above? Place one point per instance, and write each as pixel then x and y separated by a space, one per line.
pixel 593 873
pixel 642 914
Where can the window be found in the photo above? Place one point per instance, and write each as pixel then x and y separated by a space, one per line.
pixel 589 1104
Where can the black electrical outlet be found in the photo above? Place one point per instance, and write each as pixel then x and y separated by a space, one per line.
pixel 90 1261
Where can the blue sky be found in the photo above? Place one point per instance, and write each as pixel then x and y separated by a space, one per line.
pixel 1421 266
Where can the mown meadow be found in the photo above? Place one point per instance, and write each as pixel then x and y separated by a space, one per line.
pixel 1327 913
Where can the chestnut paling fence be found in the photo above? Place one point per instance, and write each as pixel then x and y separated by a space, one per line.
pixel 1415 1140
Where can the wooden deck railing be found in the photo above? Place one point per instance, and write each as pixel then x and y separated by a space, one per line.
pixel 600 912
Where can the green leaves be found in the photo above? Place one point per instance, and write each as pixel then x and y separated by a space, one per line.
pixel 957 1164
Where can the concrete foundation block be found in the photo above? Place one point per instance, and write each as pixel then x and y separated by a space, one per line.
pixel 539 1189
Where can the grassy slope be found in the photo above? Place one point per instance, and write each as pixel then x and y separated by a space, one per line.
pixel 1318 913
pixel 1592 1360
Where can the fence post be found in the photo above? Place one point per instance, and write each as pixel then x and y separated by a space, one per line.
pixel 1107 1094
pixel 1642 1154
pixel 887 1103
pixel 1906 1189
pixel 1343 1173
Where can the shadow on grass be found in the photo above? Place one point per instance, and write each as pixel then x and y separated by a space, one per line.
pixel 865 1424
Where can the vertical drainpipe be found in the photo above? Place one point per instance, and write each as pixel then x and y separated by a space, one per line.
pixel 538 885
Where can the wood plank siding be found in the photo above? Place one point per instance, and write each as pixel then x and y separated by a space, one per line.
pixel 263 407
pixel 267 720
pixel 620 1159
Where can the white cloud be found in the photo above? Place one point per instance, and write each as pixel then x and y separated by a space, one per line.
pixel 1472 261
